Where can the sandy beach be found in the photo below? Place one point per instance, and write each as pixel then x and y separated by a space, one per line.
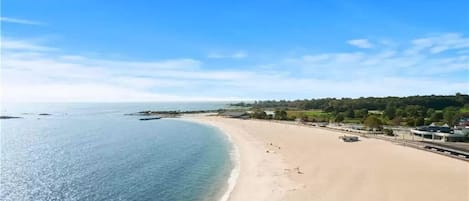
pixel 290 162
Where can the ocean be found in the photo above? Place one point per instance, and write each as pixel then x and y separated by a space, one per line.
pixel 92 151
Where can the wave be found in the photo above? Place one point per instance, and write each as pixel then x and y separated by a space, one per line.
pixel 234 156
pixel 231 182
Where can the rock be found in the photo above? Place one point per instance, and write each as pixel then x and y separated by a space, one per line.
pixel 9 117
pixel 151 118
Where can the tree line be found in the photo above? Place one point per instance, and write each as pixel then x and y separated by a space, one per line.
pixel 411 110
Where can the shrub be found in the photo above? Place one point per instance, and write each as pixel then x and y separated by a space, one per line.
pixel 388 132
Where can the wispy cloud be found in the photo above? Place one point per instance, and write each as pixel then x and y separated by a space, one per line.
pixel 361 43
pixel 235 55
pixel 19 21
pixel 423 63
pixel 23 45
pixel 31 72
pixel 439 43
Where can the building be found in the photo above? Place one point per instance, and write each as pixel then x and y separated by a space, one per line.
pixel 235 114
pixel 463 122
pixel 443 133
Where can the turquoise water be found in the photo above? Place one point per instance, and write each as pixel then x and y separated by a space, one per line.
pixel 94 152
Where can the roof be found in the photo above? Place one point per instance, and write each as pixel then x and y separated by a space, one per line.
pixel 233 113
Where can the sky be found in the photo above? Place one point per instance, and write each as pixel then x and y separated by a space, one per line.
pixel 128 51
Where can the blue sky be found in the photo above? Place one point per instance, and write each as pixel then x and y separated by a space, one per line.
pixel 213 50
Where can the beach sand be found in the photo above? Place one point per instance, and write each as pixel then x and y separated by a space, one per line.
pixel 305 163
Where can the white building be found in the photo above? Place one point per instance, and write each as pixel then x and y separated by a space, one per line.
pixel 443 133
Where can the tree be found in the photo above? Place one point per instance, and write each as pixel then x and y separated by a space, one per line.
pixel 401 113
pixel 362 113
pixel 412 110
pixel 307 105
pixel 259 114
pixel 430 112
pixel 420 121
pixel 389 132
pixel 450 115
pixel 373 122
pixel 459 98
pixel 339 118
pixel 436 117
pixel 409 108
pixel 370 103
pixel 350 113
pixel 281 115
pixel 397 121
pixel 329 109
pixel 390 111
pixel 410 121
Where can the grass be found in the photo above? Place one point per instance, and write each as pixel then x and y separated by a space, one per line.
pixel 464 110
pixel 352 121
pixel 311 114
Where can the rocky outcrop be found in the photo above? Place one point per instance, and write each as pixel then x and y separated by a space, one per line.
pixel 9 117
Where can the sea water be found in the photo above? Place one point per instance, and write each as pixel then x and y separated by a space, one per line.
pixel 92 151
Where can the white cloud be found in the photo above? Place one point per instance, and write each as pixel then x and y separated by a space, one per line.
pixel 417 60
pixel 235 55
pixel 19 21
pixel 240 55
pixel 438 43
pixel 360 43
pixel 23 45
pixel 31 72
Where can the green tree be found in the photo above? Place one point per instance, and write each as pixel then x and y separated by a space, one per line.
pixel 306 105
pixel 339 118
pixel 396 121
pixel 304 117
pixel 389 132
pixel 259 114
pixel 410 121
pixel 420 121
pixel 450 115
pixel 373 121
pixel 281 115
pixel 390 111
pixel 436 117
pixel 430 112
pixel 412 110
pixel 459 98
pixel 329 109
pixel 362 113
pixel 371 103
pixel 350 113
pixel 401 112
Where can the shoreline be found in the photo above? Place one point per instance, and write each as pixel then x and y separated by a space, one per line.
pixel 234 157
pixel 253 178
pixel 235 170
pixel 313 164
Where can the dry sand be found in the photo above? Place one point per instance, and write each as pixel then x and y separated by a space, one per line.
pixel 330 169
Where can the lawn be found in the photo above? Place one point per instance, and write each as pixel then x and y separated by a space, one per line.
pixel 311 114
pixel 464 110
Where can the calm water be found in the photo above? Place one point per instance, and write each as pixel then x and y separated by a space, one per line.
pixel 94 152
